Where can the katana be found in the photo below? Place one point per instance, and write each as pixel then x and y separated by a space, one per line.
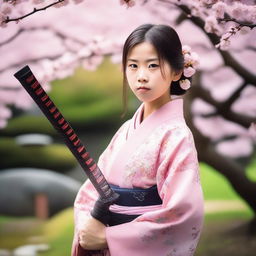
pixel 106 195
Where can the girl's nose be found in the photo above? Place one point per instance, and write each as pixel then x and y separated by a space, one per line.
pixel 142 77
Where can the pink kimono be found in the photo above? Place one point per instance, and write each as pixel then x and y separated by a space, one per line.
pixel 160 150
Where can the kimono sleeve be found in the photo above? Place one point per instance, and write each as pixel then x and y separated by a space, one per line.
pixel 86 197
pixel 174 229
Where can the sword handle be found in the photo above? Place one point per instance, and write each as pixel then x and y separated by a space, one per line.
pixel 101 209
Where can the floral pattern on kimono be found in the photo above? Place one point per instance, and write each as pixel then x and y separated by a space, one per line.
pixel 160 150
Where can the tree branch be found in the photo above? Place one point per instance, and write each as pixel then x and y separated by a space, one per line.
pixel 221 108
pixel 244 24
pixel 32 12
pixel 12 37
pixel 57 33
pixel 234 173
pixel 16 65
pixel 207 153
pixel 227 104
pixel 249 78
pixel 228 59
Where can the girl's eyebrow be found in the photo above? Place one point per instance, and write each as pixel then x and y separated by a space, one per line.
pixel 148 60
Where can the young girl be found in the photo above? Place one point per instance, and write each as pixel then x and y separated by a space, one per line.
pixel 151 161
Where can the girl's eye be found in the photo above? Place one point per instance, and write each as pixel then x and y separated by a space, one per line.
pixel 132 65
pixel 153 65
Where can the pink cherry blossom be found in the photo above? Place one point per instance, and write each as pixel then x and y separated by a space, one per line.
pixel 244 30
pixel 195 59
pixel 77 1
pixel 188 72
pixel 129 3
pixel 37 1
pixel 5 113
pixel 239 11
pixel 185 84
pixel 239 147
pixel 252 14
pixel 62 3
pixel 92 63
pixel 219 9
pixel 223 45
pixel 208 2
pixel 188 59
pixel 2 19
pixel 186 49
pixel 5 8
pixel 211 25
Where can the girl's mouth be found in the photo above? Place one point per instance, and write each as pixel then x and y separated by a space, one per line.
pixel 142 89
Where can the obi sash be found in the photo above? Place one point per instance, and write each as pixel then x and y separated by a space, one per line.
pixel 133 197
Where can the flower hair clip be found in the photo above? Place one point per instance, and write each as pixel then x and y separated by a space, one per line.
pixel 191 62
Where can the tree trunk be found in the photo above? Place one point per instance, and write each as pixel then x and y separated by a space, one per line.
pixel 234 173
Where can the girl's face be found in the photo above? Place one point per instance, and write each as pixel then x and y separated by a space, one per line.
pixel 144 75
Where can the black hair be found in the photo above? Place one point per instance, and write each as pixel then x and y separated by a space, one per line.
pixel 168 47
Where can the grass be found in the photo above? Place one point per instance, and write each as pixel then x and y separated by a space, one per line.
pixel 215 187
pixel 226 234
pixel 243 215
pixel 222 233
pixel 59 233
pixel 15 232
pixel 251 169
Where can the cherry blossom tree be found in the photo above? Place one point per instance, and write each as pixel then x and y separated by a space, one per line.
pixel 220 106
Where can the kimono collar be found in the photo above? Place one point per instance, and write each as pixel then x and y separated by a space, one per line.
pixel 171 110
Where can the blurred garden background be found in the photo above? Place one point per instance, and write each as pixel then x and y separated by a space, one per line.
pixel 77 60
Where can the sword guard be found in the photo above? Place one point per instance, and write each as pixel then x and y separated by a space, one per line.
pixel 101 208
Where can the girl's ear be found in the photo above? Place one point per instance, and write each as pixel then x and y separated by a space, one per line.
pixel 177 75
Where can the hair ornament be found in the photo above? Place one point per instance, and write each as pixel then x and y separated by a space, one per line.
pixel 185 84
pixel 191 62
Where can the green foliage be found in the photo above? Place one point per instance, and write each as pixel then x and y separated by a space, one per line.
pixel 215 186
pixel 54 157
pixel 90 98
pixel 251 170
pixel 87 100
pixel 88 86
pixel 28 124
pixel 104 112
pixel 4 219
pixel 15 232
pixel 225 215
pixel 59 233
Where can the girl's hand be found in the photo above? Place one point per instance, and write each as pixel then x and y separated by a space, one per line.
pixel 92 236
